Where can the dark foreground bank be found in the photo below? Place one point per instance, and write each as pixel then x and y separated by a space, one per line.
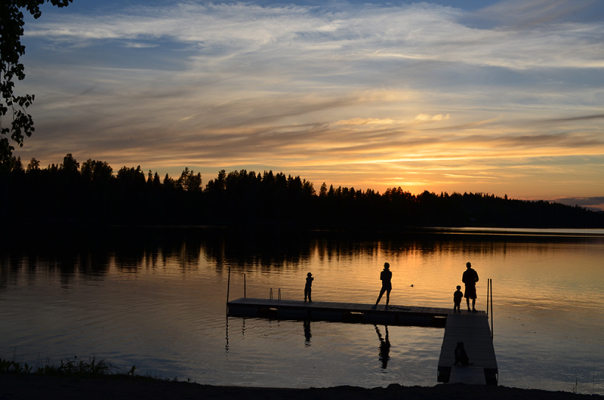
pixel 16 387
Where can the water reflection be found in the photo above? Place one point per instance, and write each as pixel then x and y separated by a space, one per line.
pixel 155 297
pixel 384 346
pixel 307 334
pixel 92 253
pixel 226 346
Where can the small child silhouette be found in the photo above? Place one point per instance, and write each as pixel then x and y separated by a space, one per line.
pixel 308 287
pixel 457 296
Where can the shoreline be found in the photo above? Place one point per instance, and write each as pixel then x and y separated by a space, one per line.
pixel 29 386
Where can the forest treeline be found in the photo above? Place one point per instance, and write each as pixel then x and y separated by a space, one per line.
pixel 93 193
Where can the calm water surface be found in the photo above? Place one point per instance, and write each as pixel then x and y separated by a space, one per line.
pixel 155 298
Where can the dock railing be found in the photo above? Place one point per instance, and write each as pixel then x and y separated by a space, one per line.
pixel 490 303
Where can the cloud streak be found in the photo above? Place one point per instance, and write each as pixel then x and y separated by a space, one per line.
pixel 357 33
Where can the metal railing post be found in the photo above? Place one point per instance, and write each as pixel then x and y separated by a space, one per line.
pixel 491 286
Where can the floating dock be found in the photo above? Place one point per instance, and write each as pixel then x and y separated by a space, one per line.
pixel 339 312
pixel 473 330
pixel 470 328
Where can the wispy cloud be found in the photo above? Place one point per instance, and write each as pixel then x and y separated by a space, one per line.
pixel 535 13
pixel 579 118
pixel 355 33
pixel 594 203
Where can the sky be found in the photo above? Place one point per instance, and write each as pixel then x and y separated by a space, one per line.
pixel 499 97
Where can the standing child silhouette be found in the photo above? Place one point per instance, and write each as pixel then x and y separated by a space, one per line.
pixel 308 287
pixel 457 296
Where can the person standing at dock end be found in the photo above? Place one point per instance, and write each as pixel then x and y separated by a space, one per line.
pixel 386 278
pixel 470 277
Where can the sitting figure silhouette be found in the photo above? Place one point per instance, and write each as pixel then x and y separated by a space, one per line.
pixel 461 357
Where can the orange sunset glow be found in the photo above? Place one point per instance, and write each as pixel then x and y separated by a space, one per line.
pixel 504 97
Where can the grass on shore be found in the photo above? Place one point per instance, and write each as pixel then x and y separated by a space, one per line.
pixel 73 367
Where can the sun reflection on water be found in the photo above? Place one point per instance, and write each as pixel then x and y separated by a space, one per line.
pixel 159 302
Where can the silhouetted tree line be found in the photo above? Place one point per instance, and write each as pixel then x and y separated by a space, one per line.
pixel 93 193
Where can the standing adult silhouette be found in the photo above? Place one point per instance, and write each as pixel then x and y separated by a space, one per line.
pixel 469 278
pixel 386 278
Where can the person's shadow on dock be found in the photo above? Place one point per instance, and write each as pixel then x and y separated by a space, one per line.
pixel 384 346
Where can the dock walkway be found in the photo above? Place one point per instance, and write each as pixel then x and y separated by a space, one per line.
pixel 339 312
pixel 473 330
pixel 470 328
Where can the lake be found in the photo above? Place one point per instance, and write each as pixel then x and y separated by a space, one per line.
pixel 156 298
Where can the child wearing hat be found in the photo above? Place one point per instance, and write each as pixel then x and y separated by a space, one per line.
pixel 308 287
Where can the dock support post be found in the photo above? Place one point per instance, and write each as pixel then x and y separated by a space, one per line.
pixel 244 287
pixel 488 298
pixel 279 293
pixel 271 296
pixel 228 287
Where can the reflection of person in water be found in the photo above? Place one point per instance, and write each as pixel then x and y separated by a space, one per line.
pixel 307 334
pixel 386 278
pixel 470 277
pixel 384 347
pixel 461 357
pixel 308 287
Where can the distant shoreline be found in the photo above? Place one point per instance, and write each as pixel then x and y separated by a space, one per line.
pixel 93 194
pixel 29 386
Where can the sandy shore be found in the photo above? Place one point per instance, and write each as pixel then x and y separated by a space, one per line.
pixel 16 387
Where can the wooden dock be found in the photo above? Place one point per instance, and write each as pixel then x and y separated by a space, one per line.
pixel 339 312
pixel 473 330
pixel 470 328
